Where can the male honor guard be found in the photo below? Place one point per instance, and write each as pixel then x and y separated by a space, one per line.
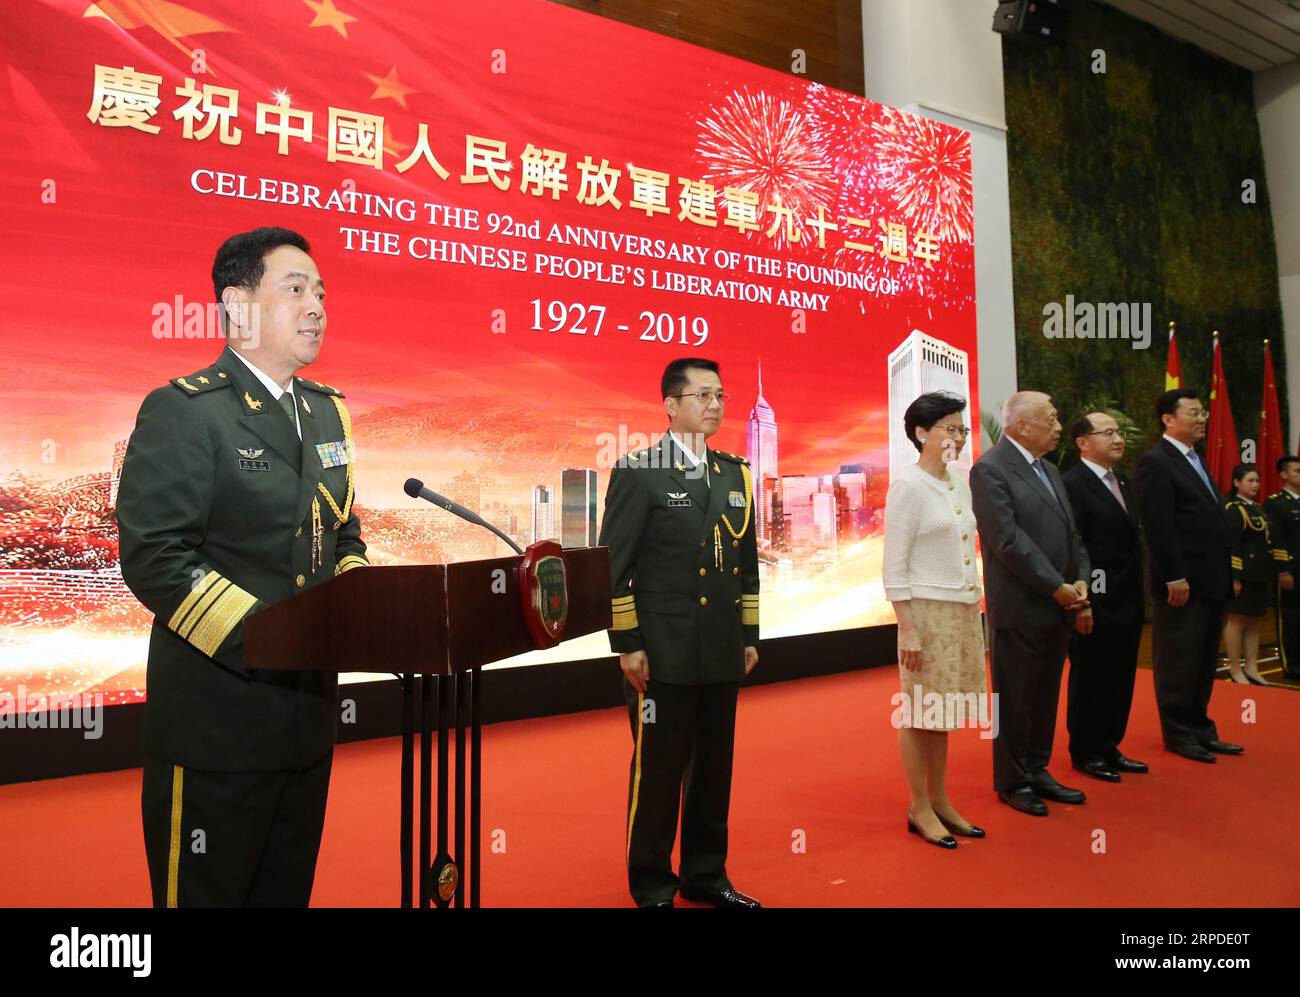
pixel 1283 510
pixel 680 529
pixel 237 492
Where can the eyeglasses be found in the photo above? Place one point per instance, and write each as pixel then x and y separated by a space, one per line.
pixel 962 431
pixel 1110 434
pixel 704 396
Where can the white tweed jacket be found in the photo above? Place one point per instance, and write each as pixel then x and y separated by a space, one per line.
pixel 930 539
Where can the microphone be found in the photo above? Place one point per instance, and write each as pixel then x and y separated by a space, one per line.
pixel 415 488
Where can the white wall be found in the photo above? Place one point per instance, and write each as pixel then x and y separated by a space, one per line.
pixel 1277 101
pixel 941 59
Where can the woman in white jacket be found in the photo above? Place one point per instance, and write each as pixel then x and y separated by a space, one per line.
pixel 931 578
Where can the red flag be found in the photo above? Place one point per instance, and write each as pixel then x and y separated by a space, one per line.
pixel 1271 445
pixel 1221 448
pixel 1173 369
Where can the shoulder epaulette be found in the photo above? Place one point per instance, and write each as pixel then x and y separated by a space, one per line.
pixel 207 379
pixel 731 456
pixel 324 389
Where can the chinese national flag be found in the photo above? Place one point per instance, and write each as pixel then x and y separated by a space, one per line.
pixel 1173 369
pixel 1271 444
pixel 1221 448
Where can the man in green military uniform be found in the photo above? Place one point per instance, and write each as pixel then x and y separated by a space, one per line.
pixel 1283 511
pixel 680 529
pixel 237 492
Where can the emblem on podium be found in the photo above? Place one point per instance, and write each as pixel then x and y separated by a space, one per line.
pixel 543 585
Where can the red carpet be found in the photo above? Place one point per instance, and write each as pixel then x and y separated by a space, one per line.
pixel 816 756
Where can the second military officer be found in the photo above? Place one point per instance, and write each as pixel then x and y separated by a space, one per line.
pixel 1283 509
pixel 680 529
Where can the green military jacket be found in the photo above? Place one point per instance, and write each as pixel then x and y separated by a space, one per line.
pixel 1256 556
pixel 683 563
pixel 222 511
pixel 1283 511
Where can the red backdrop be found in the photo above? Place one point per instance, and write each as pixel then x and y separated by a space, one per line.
pixel 133 148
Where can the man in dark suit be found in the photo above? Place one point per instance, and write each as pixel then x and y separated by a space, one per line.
pixel 683 559
pixel 1104 647
pixel 1190 574
pixel 237 492
pixel 1035 567
pixel 1283 511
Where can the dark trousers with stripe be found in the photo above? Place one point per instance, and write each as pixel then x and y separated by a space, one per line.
pixel 1288 630
pixel 1026 663
pixel 1185 657
pixel 232 839
pixel 1103 668
pixel 683 737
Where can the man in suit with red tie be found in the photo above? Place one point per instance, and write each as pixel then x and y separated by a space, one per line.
pixel 1190 573
pixel 1104 646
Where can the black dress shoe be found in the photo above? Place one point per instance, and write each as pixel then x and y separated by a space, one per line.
pixel 1121 764
pixel 947 841
pixel 1193 751
pixel 1026 801
pixel 661 903
pixel 721 898
pixel 970 831
pixel 1098 770
pixel 1057 793
pixel 1223 748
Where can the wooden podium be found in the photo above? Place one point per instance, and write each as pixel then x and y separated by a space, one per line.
pixel 434 626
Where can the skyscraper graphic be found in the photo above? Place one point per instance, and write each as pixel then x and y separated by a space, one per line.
pixel 543 513
pixel 578 507
pixel 918 364
pixel 760 448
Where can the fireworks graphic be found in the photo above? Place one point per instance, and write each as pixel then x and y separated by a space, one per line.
pixel 925 166
pixel 757 142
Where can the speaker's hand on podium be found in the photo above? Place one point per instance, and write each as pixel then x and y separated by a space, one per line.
pixel 637 669
pixel 751 659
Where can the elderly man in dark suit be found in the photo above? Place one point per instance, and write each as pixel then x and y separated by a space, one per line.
pixel 1190 573
pixel 1104 648
pixel 1035 567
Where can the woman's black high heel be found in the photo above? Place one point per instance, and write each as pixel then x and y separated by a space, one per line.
pixel 947 841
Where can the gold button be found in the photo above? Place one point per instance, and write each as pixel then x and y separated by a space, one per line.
pixel 970 588
pixel 950 488
pixel 703 572
pixel 968 560
pixel 957 510
pixel 735 571
pixel 963 536
pixel 701 545
pixel 298 534
pixel 735 543
pixel 221 373
pixel 300 581
pixel 704 600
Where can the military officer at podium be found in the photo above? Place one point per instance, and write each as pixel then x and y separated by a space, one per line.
pixel 679 524
pixel 237 492
pixel 1283 511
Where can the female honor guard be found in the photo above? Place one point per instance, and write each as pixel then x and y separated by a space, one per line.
pixel 1254 572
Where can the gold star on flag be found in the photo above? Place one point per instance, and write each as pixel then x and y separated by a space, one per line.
pixel 390 86
pixel 329 16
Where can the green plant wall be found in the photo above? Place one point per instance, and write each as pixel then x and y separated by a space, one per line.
pixel 1127 186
